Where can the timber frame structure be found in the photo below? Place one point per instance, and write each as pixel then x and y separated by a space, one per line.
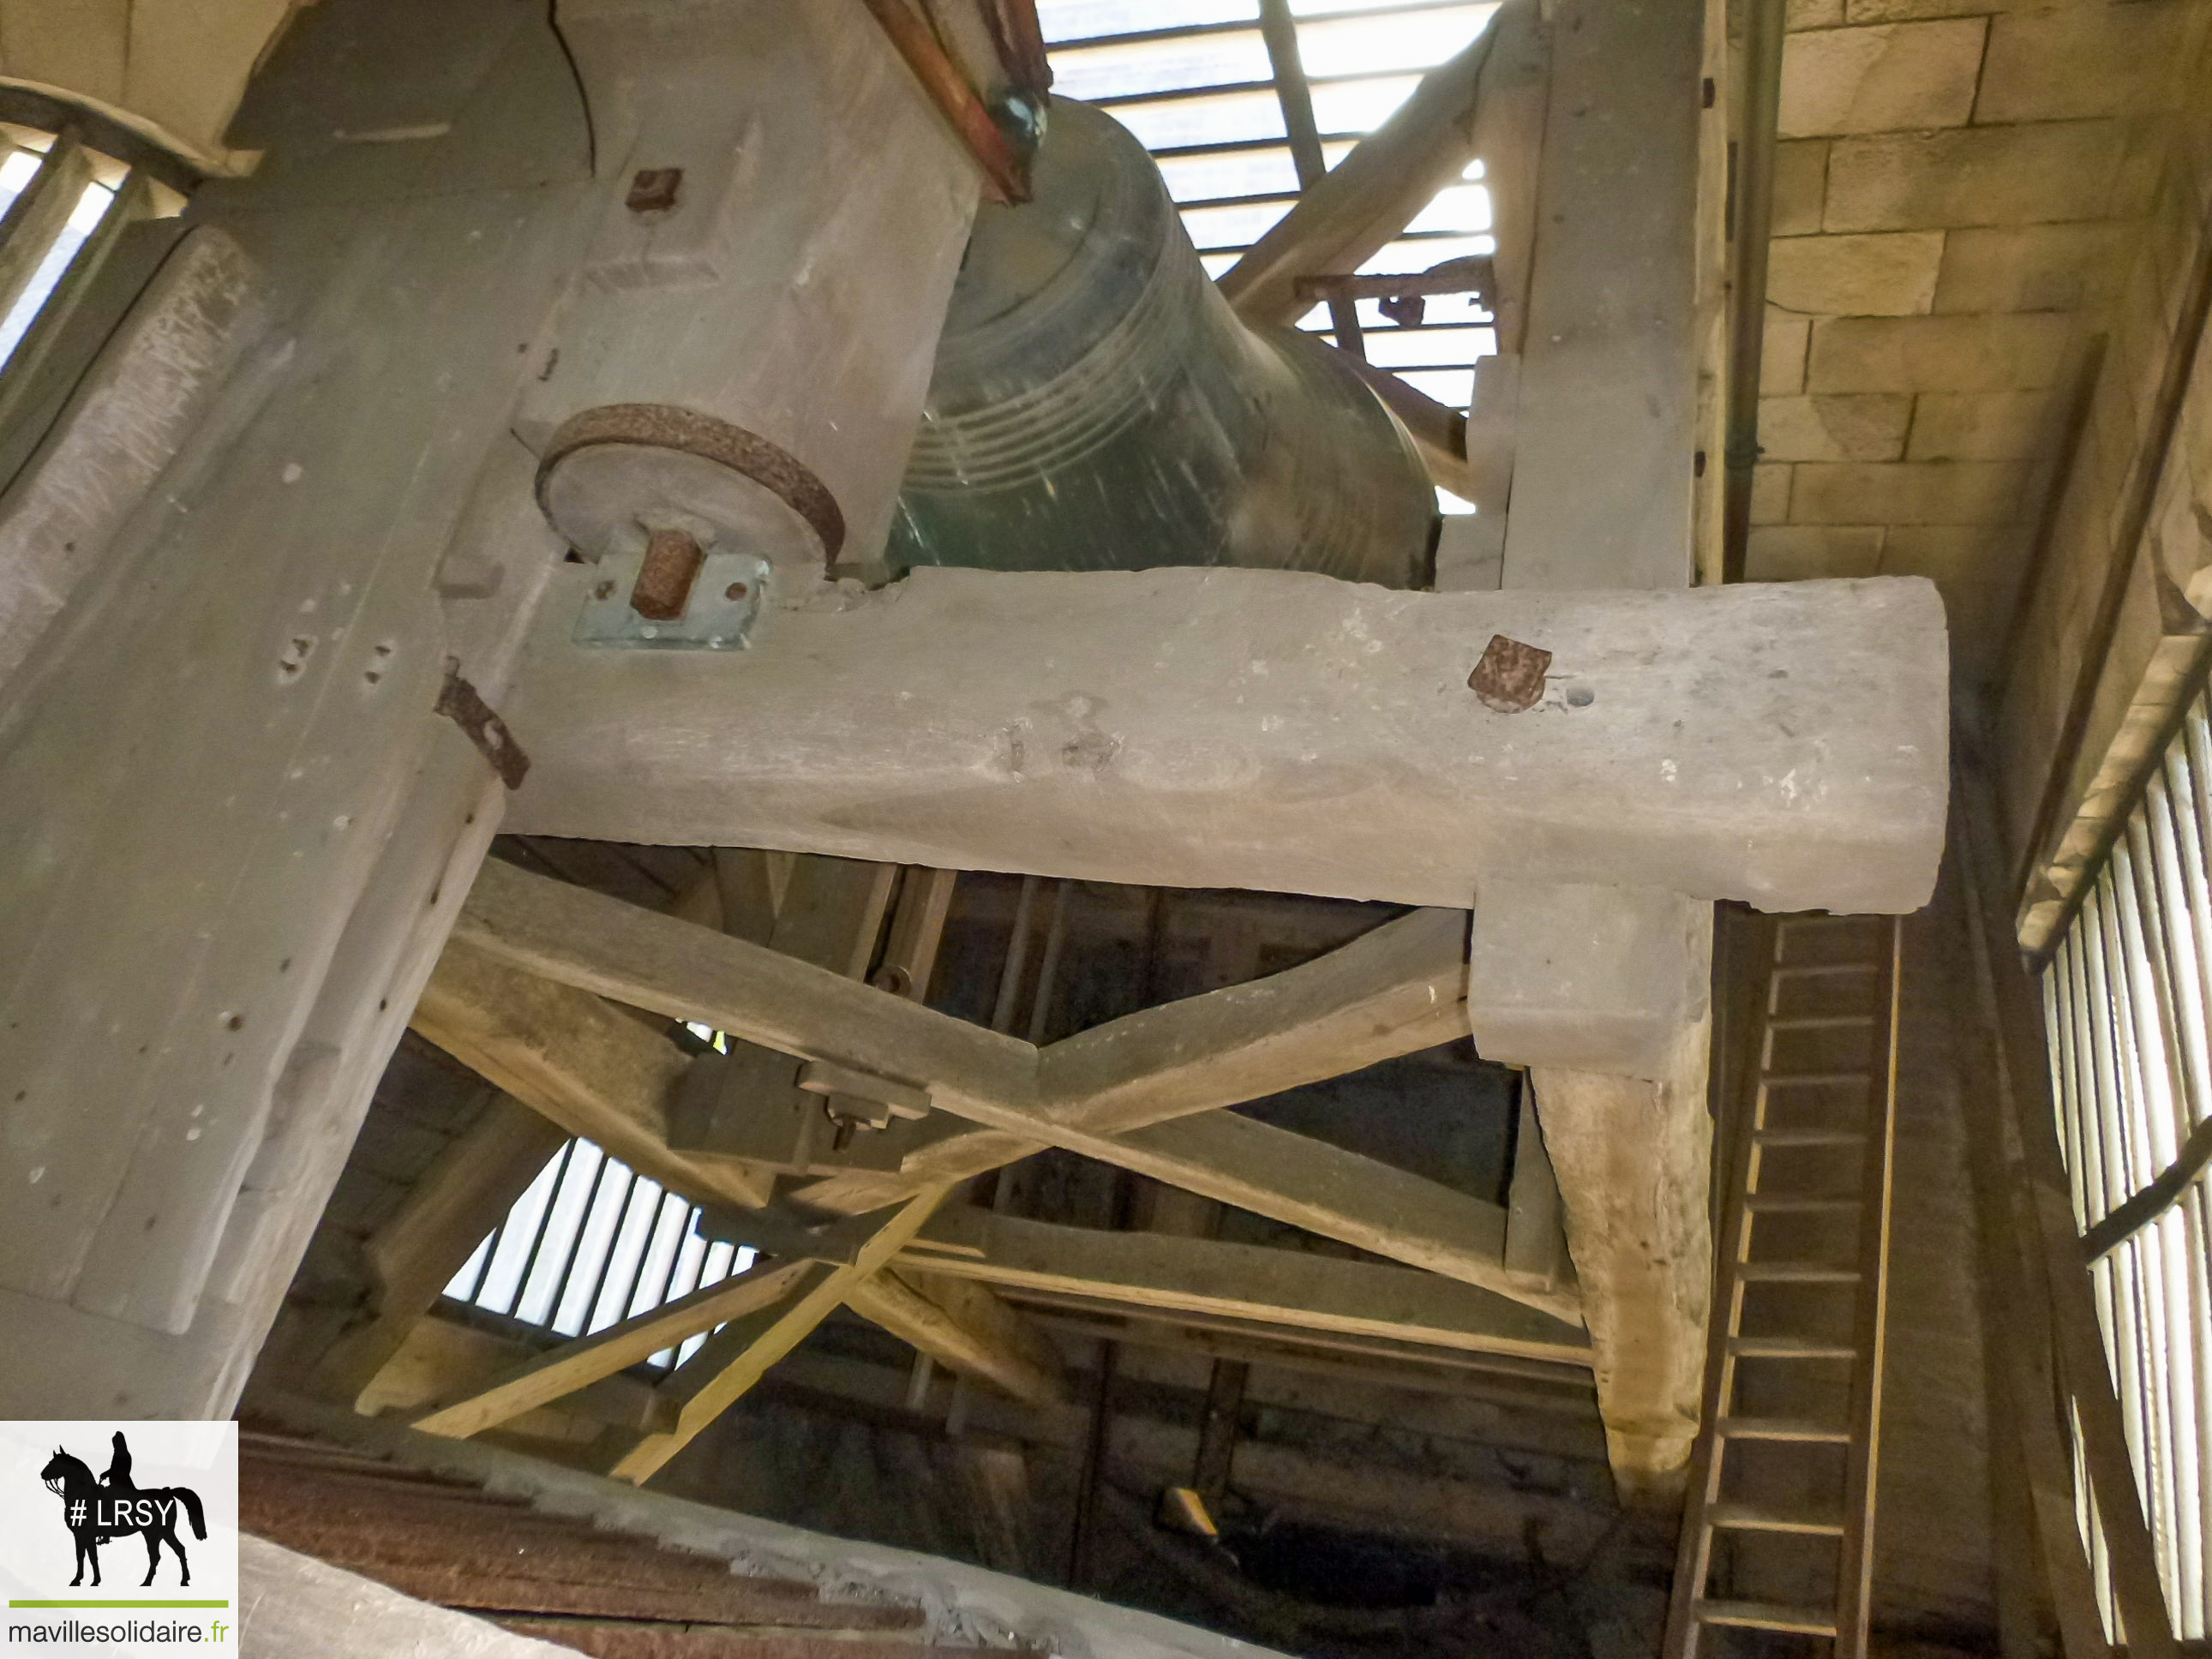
pixel 300 678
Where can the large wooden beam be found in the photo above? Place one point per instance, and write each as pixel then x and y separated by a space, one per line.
pixel 1605 468
pixel 1633 1156
pixel 1358 1200
pixel 542 930
pixel 1241 1281
pixel 1112 1092
pixel 1781 744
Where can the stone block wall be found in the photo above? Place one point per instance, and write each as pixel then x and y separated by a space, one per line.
pixel 1960 196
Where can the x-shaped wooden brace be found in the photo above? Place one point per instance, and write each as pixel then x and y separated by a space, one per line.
pixel 523 992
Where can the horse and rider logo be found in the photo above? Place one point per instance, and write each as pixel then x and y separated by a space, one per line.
pixel 98 1509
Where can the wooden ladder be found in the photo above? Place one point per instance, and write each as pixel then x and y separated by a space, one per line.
pixel 1781 1497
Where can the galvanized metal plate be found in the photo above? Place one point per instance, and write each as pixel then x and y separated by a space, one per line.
pixel 724 602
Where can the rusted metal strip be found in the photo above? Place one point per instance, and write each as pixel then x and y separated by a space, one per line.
pixel 1474 275
pixel 1006 179
pixel 461 703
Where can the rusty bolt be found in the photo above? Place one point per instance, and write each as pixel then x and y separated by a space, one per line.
pixel 734 590
pixel 653 190
pixel 672 562
pixel 1510 676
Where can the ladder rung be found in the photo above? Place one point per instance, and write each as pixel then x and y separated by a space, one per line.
pixel 1785 924
pixel 1825 970
pixel 1797 1203
pixel 1799 1429
pixel 1818 1021
pixel 1789 1347
pixel 1811 1079
pixel 1808 1137
pixel 1754 1518
pixel 1795 1272
pixel 1767 1615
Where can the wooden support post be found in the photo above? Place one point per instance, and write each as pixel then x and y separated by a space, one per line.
pixel 740 1354
pixel 1604 470
pixel 1632 1157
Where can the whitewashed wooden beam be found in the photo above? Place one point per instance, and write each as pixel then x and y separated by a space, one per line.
pixel 1781 744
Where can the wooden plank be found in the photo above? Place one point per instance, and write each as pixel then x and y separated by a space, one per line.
pixel 447 1212
pixel 566 1053
pixel 1242 1281
pixel 739 1355
pixel 1368 197
pixel 1535 1237
pixel 561 1371
pixel 1871 1317
pixel 442 1357
pixel 963 1326
pixel 1439 433
pixel 1309 1183
pixel 595 944
pixel 917 929
pixel 1395 990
